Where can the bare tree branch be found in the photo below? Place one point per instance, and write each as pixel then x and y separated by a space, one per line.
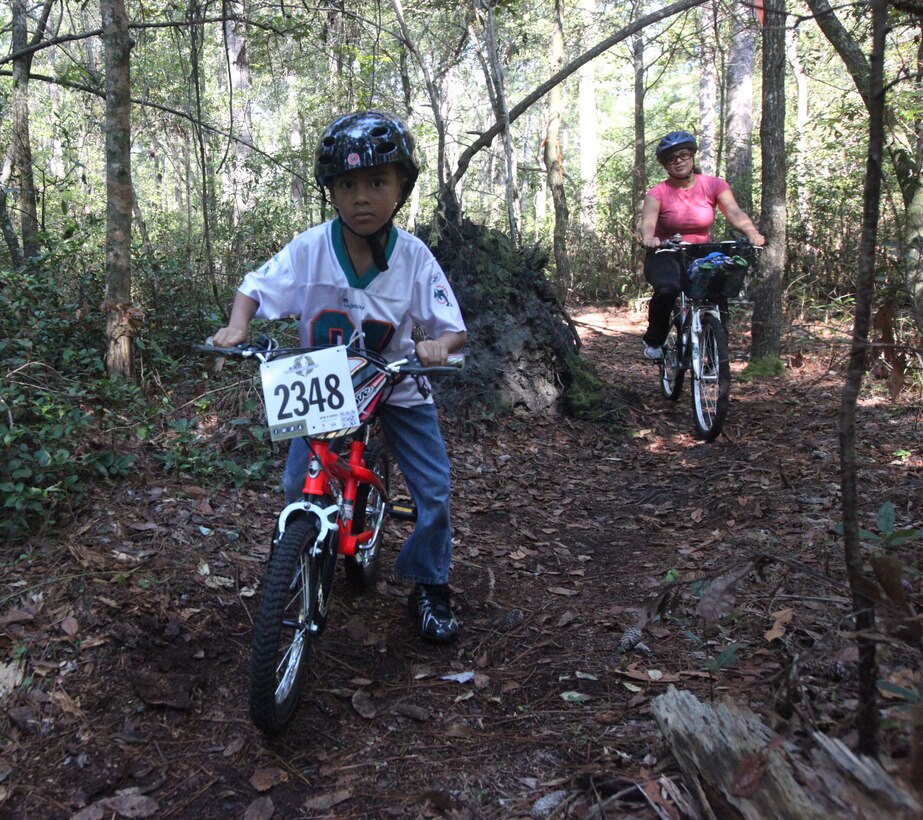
pixel 521 107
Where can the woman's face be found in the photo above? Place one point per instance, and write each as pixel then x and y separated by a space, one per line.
pixel 680 163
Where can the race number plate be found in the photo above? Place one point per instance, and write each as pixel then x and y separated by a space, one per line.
pixel 309 394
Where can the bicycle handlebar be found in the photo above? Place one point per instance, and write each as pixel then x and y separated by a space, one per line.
pixel 265 348
pixel 675 243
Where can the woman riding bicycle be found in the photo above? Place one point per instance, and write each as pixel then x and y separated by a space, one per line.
pixel 684 204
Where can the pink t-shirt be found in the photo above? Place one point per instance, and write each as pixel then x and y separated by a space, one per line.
pixel 687 211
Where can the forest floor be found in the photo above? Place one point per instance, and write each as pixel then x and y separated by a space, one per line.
pixel 132 626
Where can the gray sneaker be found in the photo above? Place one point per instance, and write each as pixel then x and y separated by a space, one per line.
pixel 652 353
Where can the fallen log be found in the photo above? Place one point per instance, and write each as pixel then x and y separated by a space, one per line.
pixel 736 766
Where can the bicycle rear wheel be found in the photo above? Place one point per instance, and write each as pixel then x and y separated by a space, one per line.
pixel 369 514
pixel 671 363
pixel 711 380
pixel 292 612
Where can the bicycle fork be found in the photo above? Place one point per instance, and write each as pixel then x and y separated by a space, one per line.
pixel 323 466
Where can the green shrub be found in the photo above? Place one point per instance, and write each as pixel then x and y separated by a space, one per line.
pixel 54 398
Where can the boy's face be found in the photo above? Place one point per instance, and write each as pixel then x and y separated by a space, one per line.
pixel 366 198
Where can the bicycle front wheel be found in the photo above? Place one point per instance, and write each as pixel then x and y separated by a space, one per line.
pixel 671 363
pixel 292 612
pixel 711 380
pixel 369 514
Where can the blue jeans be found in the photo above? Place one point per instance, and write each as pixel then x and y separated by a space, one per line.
pixel 416 442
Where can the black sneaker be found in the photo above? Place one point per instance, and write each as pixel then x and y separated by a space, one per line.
pixel 430 607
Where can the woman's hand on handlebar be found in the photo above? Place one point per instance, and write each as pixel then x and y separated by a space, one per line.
pixel 650 242
pixel 756 239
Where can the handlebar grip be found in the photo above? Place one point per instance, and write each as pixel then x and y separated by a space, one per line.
pixel 456 360
pixel 262 344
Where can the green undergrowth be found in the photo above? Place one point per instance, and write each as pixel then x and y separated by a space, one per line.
pixel 764 367
pixel 65 425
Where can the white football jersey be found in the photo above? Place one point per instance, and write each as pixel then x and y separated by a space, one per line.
pixel 313 278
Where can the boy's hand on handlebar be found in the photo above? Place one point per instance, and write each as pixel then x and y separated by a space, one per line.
pixel 432 353
pixel 228 337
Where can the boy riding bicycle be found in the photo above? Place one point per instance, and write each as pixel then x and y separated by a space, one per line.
pixel 360 281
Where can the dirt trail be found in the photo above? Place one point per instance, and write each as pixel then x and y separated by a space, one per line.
pixel 135 624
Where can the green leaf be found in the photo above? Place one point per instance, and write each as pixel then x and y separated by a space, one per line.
pixel 726 658
pixel 574 697
pixel 903 536
pixel 907 694
pixel 886 518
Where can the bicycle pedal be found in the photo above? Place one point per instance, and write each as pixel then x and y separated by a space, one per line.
pixel 402 512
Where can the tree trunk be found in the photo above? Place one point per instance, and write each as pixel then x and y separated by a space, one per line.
pixel 639 168
pixel 706 158
pixel 739 167
pixel 119 312
pixel 553 158
pixel 800 148
pixel 235 42
pixel 913 255
pixel 589 136
pixel 863 606
pixel 447 194
pixel 496 86
pixel 6 222
pixel 767 298
pixel 206 198
pixel 21 141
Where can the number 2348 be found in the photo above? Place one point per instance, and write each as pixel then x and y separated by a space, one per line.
pixel 298 397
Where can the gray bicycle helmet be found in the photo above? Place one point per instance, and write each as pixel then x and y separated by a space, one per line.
pixel 365 139
pixel 674 141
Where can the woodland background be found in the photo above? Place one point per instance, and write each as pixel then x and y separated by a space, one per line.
pixel 154 152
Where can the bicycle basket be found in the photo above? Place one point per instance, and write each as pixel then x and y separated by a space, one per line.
pixel 714 276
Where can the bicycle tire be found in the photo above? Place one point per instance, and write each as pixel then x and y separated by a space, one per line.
pixel 369 514
pixel 672 369
pixel 711 381
pixel 292 612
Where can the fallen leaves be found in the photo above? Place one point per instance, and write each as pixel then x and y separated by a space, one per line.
pixel 266 778
pixel 325 802
pixel 782 618
pixel 363 704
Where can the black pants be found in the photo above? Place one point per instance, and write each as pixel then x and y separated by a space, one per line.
pixel 663 273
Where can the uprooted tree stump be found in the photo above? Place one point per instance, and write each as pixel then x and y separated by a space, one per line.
pixel 524 348
pixel 736 766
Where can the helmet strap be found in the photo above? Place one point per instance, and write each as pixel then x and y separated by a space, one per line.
pixel 690 175
pixel 377 242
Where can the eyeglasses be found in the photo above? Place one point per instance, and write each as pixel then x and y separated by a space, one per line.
pixel 682 156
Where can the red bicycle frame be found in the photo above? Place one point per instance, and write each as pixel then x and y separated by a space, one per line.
pixel 325 465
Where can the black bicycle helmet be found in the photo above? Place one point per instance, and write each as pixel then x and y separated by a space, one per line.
pixel 674 141
pixel 365 139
